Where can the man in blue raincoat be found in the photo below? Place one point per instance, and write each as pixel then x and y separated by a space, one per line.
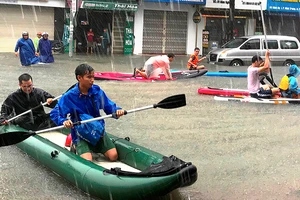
pixel 45 49
pixel 289 84
pixel 26 49
pixel 83 102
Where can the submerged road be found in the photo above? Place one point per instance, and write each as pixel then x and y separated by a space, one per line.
pixel 242 151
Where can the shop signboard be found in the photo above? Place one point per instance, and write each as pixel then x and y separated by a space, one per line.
pixel 66 34
pixel 197 17
pixel 205 38
pixel 109 6
pixel 128 36
pixel 283 5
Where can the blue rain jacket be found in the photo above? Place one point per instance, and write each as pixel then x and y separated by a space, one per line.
pixel 293 83
pixel 26 52
pixel 45 49
pixel 75 103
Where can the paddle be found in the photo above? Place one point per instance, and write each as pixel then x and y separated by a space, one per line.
pixel 171 102
pixel 265 33
pixel 28 111
pixel 264 75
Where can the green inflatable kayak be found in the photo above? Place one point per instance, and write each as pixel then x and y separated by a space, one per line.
pixel 139 173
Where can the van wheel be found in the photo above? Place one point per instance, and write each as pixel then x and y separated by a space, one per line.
pixel 236 63
pixel 288 63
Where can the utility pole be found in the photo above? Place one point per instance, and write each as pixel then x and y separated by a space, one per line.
pixel 71 36
pixel 72 14
pixel 231 19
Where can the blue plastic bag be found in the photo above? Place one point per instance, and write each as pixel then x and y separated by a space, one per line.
pixel 91 131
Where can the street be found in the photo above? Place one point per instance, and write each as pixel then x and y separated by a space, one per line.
pixel 241 151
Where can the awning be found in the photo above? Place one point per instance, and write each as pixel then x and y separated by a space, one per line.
pixel 108 6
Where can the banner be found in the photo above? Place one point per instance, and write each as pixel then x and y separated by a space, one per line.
pixel 205 38
pixel 283 5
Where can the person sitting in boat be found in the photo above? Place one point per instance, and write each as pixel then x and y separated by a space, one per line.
pixel 289 84
pixel 24 99
pixel 194 60
pixel 156 65
pixel 84 102
pixel 255 89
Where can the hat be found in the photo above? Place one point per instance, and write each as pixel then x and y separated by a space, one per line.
pixel 294 70
pixel 44 33
pixel 256 58
pixel 25 33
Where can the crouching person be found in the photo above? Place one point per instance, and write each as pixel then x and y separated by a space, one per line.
pixel 83 102
pixel 289 84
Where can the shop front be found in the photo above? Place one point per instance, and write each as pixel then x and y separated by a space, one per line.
pixel 108 21
pixel 166 26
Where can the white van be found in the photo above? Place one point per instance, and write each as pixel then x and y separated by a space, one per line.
pixel 284 50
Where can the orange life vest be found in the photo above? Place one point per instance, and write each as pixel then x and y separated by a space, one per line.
pixel 195 61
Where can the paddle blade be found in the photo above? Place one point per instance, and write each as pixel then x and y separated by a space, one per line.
pixel 11 138
pixel 171 102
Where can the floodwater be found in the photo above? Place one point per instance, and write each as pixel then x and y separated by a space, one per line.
pixel 241 150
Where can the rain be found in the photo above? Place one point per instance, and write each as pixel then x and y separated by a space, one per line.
pixel 241 150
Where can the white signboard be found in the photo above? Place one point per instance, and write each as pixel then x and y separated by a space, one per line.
pixel 239 4
pixel 46 3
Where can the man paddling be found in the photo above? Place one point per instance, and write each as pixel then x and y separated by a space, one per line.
pixel 24 99
pixel 255 89
pixel 83 102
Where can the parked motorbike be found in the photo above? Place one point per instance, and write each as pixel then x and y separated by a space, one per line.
pixel 57 46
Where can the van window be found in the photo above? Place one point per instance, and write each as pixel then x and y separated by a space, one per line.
pixel 251 44
pixel 234 43
pixel 272 44
pixel 288 44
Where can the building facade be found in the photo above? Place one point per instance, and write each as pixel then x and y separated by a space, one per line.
pixel 31 16
pixel 151 26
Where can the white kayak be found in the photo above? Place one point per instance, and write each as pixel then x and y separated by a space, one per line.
pixel 247 99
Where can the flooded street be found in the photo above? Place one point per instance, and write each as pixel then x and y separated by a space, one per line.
pixel 241 151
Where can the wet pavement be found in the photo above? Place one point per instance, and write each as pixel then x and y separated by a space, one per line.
pixel 242 151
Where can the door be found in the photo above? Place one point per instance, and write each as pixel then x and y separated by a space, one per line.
pixel 164 32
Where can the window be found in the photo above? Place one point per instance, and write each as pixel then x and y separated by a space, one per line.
pixel 234 43
pixel 288 44
pixel 272 44
pixel 251 44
